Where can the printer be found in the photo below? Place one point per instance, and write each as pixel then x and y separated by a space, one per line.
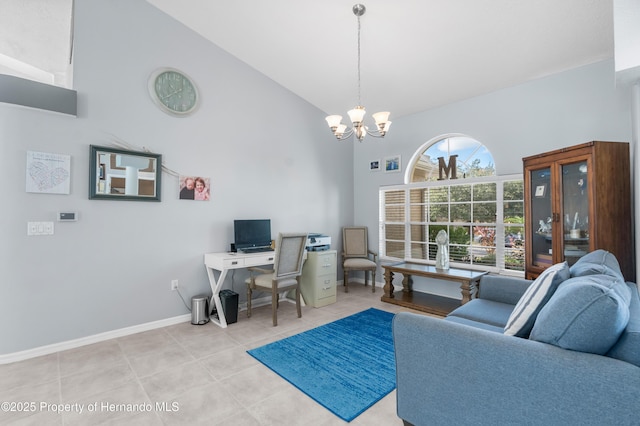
pixel 318 242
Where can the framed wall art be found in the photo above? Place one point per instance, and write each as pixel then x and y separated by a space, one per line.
pixel 117 174
pixel 392 164
pixel 48 173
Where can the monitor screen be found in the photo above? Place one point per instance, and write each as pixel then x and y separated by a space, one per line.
pixel 252 233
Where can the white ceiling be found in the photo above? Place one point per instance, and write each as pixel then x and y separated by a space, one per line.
pixel 35 39
pixel 415 54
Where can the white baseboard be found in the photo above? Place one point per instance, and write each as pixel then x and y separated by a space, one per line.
pixel 101 337
pixel 88 340
pixel 360 281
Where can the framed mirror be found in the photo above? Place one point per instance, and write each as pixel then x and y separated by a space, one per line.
pixel 117 174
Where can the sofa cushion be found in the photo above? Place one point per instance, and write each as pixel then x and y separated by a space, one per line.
pixel 627 348
pixel 476 324
pixel 597 262
pixel 539 292
pixel 485 311
pixel 500 288
pixel 585 314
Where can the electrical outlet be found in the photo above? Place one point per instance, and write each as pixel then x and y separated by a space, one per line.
pixel 174 284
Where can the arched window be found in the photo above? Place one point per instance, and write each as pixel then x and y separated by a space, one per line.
pixel 451 185
pixel 469 157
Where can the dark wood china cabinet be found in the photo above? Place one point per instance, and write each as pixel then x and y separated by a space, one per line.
pixel 578 199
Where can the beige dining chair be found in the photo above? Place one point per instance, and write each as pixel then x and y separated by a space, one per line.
pixel 357 256
pixel 285 275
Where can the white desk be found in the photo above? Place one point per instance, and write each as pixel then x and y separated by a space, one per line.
pixel 223 262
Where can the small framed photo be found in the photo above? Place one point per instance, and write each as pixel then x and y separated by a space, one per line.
pixel 540 190
pixel 194 188
pixel 374 166
pixel 392 164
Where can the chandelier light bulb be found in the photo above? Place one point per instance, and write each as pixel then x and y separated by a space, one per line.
pixel 333 120
pixel 356 115
pixel 381 117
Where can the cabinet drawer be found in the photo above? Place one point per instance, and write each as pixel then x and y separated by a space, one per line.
pixel 326 267
pixel 325 263
pixel 325 287
pixel 326 257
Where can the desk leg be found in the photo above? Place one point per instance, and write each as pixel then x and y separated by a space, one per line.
pixel 216 286
pixel 466 291
pixel 388 284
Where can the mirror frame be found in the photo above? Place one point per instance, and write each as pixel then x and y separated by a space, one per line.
pixel 95 150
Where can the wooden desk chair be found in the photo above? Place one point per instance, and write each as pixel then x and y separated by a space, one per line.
pixel 285 275
pixel 356 255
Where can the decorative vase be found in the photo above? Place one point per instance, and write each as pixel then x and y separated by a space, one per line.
pixel 442 256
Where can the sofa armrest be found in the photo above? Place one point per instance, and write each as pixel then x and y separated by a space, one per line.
pixel 453 374
pixel 504 289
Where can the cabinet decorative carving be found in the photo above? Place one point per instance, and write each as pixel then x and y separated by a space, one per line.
pixel 578 199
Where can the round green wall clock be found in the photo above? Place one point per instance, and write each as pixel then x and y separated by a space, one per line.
pixel 173 91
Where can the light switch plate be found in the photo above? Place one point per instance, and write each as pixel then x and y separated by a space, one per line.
pixel 32 228
pixel 40 228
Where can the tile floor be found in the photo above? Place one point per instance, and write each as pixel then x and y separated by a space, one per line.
pixel 182 375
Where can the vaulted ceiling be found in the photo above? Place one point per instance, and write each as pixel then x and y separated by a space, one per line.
pixel 415 55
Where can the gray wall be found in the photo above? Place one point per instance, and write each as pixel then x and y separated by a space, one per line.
pixel 268 154
pixel 561 110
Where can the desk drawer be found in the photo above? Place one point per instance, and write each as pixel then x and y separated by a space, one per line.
pixel 265 259
pixel 235 262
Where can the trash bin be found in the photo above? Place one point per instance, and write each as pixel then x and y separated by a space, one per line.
pixel 229 301
pixel 199 310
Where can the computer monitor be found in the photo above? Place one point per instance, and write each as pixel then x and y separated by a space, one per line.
pixel 252 233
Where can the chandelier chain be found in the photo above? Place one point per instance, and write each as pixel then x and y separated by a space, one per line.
pixel 359 100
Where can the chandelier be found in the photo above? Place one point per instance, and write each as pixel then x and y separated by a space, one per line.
pixel 356 115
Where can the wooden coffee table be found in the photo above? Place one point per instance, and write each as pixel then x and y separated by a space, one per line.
pixel 427 302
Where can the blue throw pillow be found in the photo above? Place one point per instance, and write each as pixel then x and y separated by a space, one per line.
pixel 627 348
pixel 597 262
pixel 586 314
pixel 534 298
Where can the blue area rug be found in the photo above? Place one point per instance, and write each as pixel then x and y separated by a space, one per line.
pixel 346 366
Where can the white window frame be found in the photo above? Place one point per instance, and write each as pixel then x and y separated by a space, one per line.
pixel 499 222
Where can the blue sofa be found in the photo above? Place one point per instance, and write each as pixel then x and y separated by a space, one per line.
pixel 576 362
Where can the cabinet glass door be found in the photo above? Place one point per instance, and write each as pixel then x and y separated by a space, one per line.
pixel 542 218
pixel 575 209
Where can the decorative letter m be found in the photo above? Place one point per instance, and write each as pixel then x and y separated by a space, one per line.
pixel 447 168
